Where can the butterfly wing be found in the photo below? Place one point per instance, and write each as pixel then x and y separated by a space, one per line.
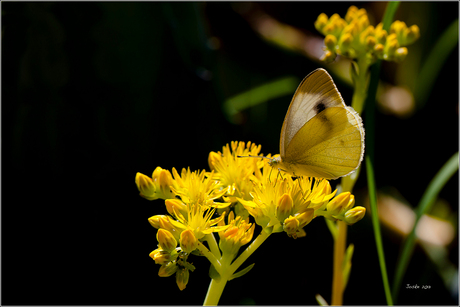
pixel 321 136
pixel 329 145
pixel 315 93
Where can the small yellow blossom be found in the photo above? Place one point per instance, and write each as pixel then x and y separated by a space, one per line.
pixel 235 173
pixel 354 37
pixel 194 188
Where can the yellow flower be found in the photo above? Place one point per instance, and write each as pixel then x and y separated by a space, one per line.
pixel 238 233
pixel 199 220
pixel 354 37
pixel 232 172
pixel 156 187
pixel 195 188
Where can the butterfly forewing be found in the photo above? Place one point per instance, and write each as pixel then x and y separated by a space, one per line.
pixel 315 93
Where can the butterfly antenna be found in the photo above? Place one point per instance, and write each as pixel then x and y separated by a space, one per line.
pixel 249 156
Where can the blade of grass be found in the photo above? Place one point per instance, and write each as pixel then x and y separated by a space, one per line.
pixel 434 62
pixel 427 201
pixel 377 234
pixel 370 131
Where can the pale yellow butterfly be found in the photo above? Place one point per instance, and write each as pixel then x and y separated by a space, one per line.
pixel 321 136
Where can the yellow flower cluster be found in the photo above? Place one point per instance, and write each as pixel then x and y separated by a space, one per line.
pixel 354 37
pixel 236 187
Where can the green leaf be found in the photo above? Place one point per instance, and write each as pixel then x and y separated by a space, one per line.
pixel 242 272
pixel 260 94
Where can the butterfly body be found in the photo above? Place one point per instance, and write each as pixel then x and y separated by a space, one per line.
pixel 321 136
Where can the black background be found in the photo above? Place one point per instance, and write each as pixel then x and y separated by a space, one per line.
pixel 94 92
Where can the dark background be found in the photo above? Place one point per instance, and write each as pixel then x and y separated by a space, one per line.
pixel 94 92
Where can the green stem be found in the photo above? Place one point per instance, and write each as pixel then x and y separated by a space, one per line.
pixel 249 250
pixel 226 269
pixel 214 292
pixel 361 84
pixel 339 252
pixel 214 261
pixel 213 245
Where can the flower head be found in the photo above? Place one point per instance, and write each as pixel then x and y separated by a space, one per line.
pixel 195 188
pixel 278 199
pixel 354 37
pixel 234 172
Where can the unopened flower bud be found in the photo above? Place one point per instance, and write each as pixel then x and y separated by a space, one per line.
pixel 378 50
pixel 330 41
pixel 166 240
pixel 321 22
pixel 146 187
pixel 155 220
pixel 350 204
pixel 176 204
pixel 412 34
pixel 182 277
pixel 168 269
pixel 354 215
pixel 284 207
pixel 188 241
pixel 290 226
pixel 160 256
pixel 305 217
pixel 335 206
pixel 400 54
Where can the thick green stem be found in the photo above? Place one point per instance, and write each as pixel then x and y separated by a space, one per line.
pixel 214 292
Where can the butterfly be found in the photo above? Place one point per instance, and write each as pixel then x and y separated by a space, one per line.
pixel 321 136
